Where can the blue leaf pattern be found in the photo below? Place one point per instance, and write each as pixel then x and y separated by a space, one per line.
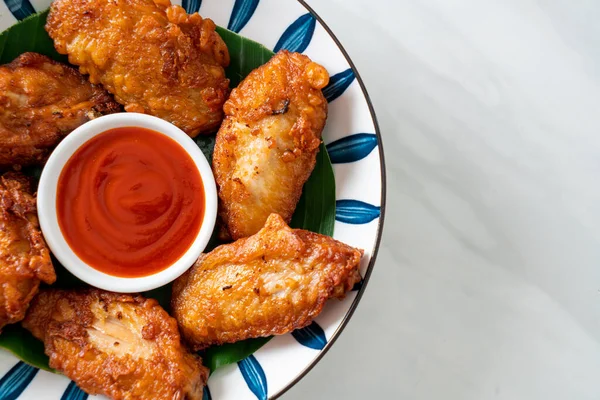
pixel 21 9
pixel 338 84
pixel 16 380
pixel 355 212
pixel 254 376
pixel 241 14
pixel 298 35
pixel 311 336
pixel 74 393
pixel 206 393
pixel 191 6
pixel 351 148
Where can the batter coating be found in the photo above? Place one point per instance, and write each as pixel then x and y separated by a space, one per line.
pixel 266 148
pixel 123 346
pixel 41 102
pixel 152 56
pixel 267 284
pixel 24 256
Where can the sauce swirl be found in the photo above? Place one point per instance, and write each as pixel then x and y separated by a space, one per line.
pixel 130 202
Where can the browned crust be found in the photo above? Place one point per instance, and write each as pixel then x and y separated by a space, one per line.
pixel 279 111
pixel 24 256
pixel 63 320
pixel 151 55
pixel 268 284
pixel 42 101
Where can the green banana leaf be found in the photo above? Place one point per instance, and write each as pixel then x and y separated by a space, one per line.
pixel 315 211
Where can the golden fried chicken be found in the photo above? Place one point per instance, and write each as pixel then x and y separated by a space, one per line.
pixel 42 101
pixel 24 257
pixel 123 346
pixel 266 148
pixel 154 57
pixel 267 284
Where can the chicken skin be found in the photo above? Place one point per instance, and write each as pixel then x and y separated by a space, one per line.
pixel 267 284
pixel 24 257
pixel 42 101
pixel 122 346
pixel 266 147
pixel 152 56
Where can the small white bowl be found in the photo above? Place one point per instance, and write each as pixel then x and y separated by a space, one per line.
pixel 46 202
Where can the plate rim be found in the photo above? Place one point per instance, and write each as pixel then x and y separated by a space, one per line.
pixel 337 333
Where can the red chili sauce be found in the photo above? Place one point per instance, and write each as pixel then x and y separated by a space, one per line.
pixel 130 202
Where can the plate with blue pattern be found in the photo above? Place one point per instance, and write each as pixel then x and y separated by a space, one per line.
pixel 354 145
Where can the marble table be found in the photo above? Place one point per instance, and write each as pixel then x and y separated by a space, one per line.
pixel 487 284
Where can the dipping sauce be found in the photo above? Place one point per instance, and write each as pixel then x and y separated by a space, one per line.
pixel 130 202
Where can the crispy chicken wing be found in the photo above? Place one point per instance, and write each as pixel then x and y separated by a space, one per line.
pixel 41 101
pixel 154 57
pixel 24 257
pixel 123 346
pixel 266 147
pixel 268 284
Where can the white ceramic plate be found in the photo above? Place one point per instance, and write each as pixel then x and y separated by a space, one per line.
pixel 354 145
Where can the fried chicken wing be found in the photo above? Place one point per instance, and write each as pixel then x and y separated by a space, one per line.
pixel 154 57
pixel 267 145
pixel 42 101
pixel 267 284
pixel 24 257
pixel 123 346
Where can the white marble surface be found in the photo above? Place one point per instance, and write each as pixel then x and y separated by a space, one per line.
pixel 487 284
